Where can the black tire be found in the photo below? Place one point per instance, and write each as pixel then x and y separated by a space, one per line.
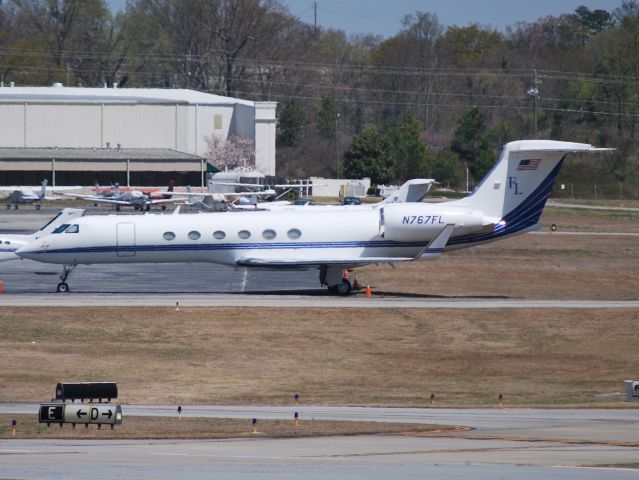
pixel 344 288
pixel 38 207
pixel 63 287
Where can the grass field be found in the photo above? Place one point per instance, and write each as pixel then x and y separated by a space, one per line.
pixel 367 357
pixel 198 428
pixel 371 357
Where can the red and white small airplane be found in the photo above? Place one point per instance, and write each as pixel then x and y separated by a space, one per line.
pixel 139 199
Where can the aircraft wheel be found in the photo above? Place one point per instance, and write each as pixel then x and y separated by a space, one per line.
pixel 15 207
pixel 344 288
pixel 63 287
pixel 8 206
pixel 38 207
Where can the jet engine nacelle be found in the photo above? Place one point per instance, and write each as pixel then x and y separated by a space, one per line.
pixel 419 222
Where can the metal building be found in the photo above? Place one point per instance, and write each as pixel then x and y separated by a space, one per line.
pixel 92 130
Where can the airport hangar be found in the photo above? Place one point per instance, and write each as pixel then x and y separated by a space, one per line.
pixel 134 136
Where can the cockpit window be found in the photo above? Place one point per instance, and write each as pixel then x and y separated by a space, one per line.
pixel 73 229
pixel 62 228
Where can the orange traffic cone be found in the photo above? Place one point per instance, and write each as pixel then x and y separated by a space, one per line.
pixel 369 292
pixel 1 287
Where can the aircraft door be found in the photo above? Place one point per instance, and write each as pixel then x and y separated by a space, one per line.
pixel 125 234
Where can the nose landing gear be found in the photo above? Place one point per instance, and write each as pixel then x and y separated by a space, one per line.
pixel 63 286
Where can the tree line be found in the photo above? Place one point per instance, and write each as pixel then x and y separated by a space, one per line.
pixel 430 101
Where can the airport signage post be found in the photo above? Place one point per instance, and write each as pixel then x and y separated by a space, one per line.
pixel 86 391
pixel 99 414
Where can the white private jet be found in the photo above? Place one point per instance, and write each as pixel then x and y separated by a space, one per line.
pixel 509 201
pixel 21 194
pixel 9 243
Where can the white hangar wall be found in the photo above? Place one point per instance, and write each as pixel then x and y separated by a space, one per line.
pixel 182 120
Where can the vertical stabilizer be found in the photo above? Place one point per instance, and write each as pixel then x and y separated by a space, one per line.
pixel 516 189
pixel 412 191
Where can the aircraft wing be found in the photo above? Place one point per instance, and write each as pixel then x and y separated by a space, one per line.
pixel 291 263
pixel 64 189
pixel 158 201
pixel 434 249
pixel 77 196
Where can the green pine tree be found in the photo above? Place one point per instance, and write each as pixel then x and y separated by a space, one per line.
pixel 290 126
pixel 411 156
pixel 369 156
pixel 471 143
pixel 327 118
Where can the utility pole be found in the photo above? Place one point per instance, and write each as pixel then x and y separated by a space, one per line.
pixel 315 20
pixel 337 144
pixel 534 92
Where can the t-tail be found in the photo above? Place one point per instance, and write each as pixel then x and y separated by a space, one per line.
pixel 514 193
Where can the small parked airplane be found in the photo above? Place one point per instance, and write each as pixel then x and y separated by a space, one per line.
pixel 9 243
pixel 139 200
pixel 21 194
pixel 509 201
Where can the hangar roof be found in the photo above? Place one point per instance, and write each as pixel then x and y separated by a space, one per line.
pixel 58 94
pixel 95 154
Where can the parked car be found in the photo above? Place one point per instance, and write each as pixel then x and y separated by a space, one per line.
pixel 351 201
pixel 303 201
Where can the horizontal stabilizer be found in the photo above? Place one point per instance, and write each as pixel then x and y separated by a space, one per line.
pixel 436 246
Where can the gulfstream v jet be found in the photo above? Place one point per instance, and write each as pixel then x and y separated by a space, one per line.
pixel 509 201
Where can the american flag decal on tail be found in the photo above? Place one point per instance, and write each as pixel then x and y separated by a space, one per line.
pixel 529 164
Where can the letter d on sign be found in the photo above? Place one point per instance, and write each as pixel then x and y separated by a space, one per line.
pixel 94 413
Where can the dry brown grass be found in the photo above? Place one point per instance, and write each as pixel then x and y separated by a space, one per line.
pixel 374 357
pixel 201 428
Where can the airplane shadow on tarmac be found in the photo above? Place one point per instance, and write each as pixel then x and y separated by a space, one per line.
pixel 321 292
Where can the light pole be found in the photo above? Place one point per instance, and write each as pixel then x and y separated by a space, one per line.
pixel 337 144
pixel 466 178
pixel 534 92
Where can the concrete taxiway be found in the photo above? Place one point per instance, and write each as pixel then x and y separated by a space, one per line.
pixel 508 443
pixel 293 300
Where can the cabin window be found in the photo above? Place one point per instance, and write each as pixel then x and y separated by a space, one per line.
pixel 269 234
pixel 294 233
pixel 169 236
pixel 61 228
pixel 73 229
pixel 194 235
pixel 219 234
pixel 244 234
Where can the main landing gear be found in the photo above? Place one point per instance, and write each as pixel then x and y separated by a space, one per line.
pixel 63 287
pixel 333 278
